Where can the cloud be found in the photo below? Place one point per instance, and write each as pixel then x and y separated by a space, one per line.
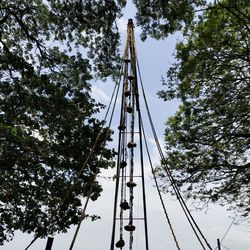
pixel 122 25
pixel 99 95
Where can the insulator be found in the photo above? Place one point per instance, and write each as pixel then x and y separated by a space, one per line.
pixel 131 144
pixel 124 205
pixel 126 93
pixel 120 243
pixel 123 164
pixel 131 77
pixel 126 60
pixel 129 110
pixel 121 127
pixel 131 184
pixel 129 228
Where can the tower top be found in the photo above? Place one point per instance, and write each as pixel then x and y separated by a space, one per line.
pixel 130 22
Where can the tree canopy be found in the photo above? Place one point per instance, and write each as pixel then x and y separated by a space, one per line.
pixel 48 53
pixel 160 18
pixel 208 139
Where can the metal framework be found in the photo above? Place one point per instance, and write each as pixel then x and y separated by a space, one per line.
pixel 125 176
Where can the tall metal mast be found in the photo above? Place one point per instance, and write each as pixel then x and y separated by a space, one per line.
pixel 125 176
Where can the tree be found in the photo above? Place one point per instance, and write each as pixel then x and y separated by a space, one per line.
pixel 207 140
pixel 46 112
pixel 159 18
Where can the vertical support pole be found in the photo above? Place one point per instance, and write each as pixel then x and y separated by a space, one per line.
pixel 130 104
pixel 120 141
pixel 49 243
pixel 218 244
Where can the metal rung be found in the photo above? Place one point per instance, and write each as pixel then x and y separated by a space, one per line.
pixel 129 219
pixel 129 132
pixel 129 176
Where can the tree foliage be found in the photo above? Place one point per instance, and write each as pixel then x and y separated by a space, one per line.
pixel 160 18
pixel 46 112
pixel 207 140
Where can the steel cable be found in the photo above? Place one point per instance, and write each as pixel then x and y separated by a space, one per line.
pixel 186 211
pixel 83 215
pixel 158 188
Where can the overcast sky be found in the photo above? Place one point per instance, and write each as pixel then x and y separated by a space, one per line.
pixel 155 57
